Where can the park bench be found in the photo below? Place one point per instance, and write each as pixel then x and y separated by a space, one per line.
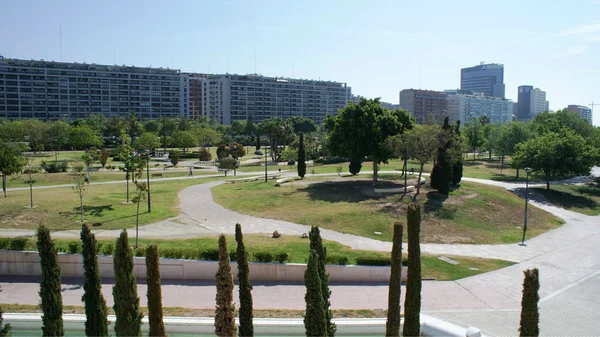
pixel 154 175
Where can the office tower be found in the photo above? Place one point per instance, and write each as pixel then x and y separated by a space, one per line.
pixel 531 101
pixel 424 105
pixel 583 111
pixel 484 78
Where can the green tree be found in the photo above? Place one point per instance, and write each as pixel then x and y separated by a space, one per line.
pixel 96 322
pixel 79 186
pixel 147 141
pixel 174 157
pixel 237 127
pixel 225 310
pixel 360 130
pixel 204 154
pixel 316 244
pixel 184 139
pixel 155 311
pixel 547 122
pixel 152 126
pixel 302 124
pixel 456 151
pixel 207 136
pixel 441 175
pixel 392 325
pixel 131 164
pixel 412 302
pixel 97 121
pixel 167 127
pixel 301 157
pixel 35 131
pixel 6 330
pixel 57 135
pixel 250 127
pixel 475 135
pixel 277 130
pixel 140 194
pixel 315 320
pixel 246 324
pixel 12 131
pixel 104 155
pixel 132 125
pixel 126 300
pixel 227 164
pixel 530 317
pixel 114 127
pixel 50 288
pixel 11 161
pixel 84 137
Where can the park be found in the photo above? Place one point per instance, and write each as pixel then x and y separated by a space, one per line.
pixel 493 200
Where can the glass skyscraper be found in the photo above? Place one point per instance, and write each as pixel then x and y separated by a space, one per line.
pixel 484 78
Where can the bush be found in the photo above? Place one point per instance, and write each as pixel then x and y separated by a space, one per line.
pixel 337 259
pixel 373 261
pixel 108 249
pixel 55 166
pixel 139 251
pixel 259 153
pixel 335 160
pixel 18 243
pixel 282 257
pixel 31 170
pixel 289 154
pixel 190 253
pixel 291 162
pixel 210 254
pixel 233 255
pixel 319 161
pixel 99 247
pixel 172 253
pixel 263 256
pixel 74 247
pixel 5 243
pixel 204 154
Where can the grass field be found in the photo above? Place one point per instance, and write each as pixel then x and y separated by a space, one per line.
pixel 104 205
pixel 472 214
pixel 582 199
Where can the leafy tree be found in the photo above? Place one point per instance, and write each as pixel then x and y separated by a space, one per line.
pixel 237 150
pixel 147 141
pixel 6 330
pixel 237 127
pixel 152 126
pixel 36 131
pixel 475 135
pixel 184 124
pixel 360 130
pixel 412 302
pixel 96 121
pixel 207 136
pixel 447 157
pixel 12 131
pixel 184 139
pixel 246 324
pixel 530 317
pixel 50 288
pixel 547 122
pixel 126 300
pixel 79 186
pixel 89 157
pixel 301 157
pixel 302 124
pixel 225 310
pixel 131 164
pixel 315 320
pixel 250 128
pixel 222 151
pixel 392 325
pixel 11 161
pixel 167 127
pixel 104 155
pixel 84 137
pixel 96 323
pixel 227 164
pixel 204 154
pixel 456 152
pixel 316 244
pixel 132 125
pixel 484 120
pixel 174 157
pixel 277 130
pixel 355 166
pixel 155 311
pixel 114 127
pixel 57 135
pixel 140 194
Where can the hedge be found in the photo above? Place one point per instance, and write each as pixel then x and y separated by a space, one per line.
pixel 337 259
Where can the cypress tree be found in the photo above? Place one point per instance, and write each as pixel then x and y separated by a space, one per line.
pixel 5 331
pixel 316 244
pixel 412 302
pixel 530 316
pixel 315 320
pixel 457 167
pixel 355 166
pixel 392 326
pixel 96 322
pixel 155 312
pixel 246 324
pixel 127 302
pixel 225 310
pixel 301 157
pixel 50 287
pixel 441 175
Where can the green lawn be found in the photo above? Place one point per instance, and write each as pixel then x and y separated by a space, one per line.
pixel 104 205
pixel 582 199
pixel 472 214
pixel 298 248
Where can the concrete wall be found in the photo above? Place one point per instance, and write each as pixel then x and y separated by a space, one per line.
pixel 28 264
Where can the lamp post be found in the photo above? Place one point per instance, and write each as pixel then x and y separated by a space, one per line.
pixel 405 141
pixel 148 178
pixel 265 164
pixel 528 170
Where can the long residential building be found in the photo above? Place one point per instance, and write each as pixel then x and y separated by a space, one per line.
pixel 51 90
pixel 424 105
pixel 583 111
pixel 229 97
pixel 464 107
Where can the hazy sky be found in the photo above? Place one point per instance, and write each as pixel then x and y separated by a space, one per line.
pixel 377 47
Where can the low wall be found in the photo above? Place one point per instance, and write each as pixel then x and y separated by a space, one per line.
pixel 28 264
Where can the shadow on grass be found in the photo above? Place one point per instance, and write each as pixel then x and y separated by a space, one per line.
pixel 345 191
pixel 435 201
pixel 589 190
pixel 558 198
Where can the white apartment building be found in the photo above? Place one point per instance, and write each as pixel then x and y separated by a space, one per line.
pixel 464 107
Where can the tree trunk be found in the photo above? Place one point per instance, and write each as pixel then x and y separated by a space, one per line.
pixel 374 170
pixel 474 154
pixel 137 221
pixel 4 184
pixel 517 173
pixel 501 163
pixel 127 179
pixel 419 180
pixel 490 153
pixel 547 181
pixel 81 204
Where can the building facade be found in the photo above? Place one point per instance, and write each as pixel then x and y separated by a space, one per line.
pixel 583 111
pixel 531 101
pixel 196 87
pixel 464 107
pixel 50 90
pixel 484 78
pixel 233 97
pixel 424 105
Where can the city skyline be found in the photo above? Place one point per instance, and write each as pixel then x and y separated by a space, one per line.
pixel 322 41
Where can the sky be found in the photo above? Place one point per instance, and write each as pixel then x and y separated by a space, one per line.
pixel 377 47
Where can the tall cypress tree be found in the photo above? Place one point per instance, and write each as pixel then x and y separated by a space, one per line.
pixel 50 287
pixel 392 326
pixel 457 166
pixel 127 302
pixel 315 320
pixel 530 317
pixel 155 312
pixel 412 302
pixel 246 324
pixel 301 157
pixel 441 175
pixel 225 310
pixel 316 244
pixel 5 331
pixel 96 322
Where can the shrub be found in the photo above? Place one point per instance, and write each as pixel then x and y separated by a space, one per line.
pixel 319 161
pixel 258 153
pixel 233 255
pixel 172 253
pixel 108 249
pixel 373 261
pixel 54 166
pixel 5 243
pixel 282 257
pixel 139 251
pixel 204 155
pixel 264 256
pixel 289 154
pixel 291 162
pixel 337 259
pixel 211 254
pixel 74 247
pixel 32 170
pixel 190 253
pixel 99 247
pixel 335 160
pixel 18 243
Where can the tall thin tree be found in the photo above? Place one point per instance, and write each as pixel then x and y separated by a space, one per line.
pixel 301 157
pixel 392 326
pixel 412 302
pixel 246 324
pixel 225 310
pixel 316 244
pixel 96 322
pixel 155 311
pixel 530 316
pixel 127 302
pixel 315 320
pixel 50 287
pixel 6 329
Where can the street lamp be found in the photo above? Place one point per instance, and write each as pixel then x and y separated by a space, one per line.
pixel 528 170
pixel 265 164
pixel 148 178
pixel 405 141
